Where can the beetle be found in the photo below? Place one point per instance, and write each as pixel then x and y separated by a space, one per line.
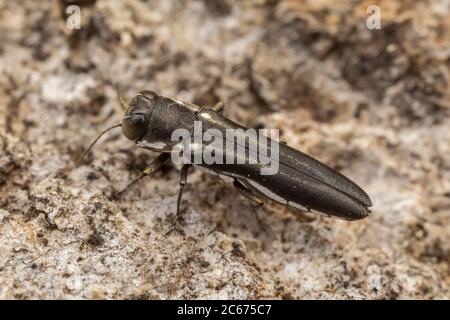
pixel 301 182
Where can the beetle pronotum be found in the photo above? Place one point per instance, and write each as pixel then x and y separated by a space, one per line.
pixel 301 182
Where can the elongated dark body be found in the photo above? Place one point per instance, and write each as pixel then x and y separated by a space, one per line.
pixel 301 181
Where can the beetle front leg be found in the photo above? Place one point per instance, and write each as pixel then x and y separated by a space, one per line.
pixel 156 164
pixel 183 178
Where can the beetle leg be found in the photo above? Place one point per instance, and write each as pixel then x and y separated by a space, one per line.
pixel 156 164
pixel 257 203
pixel 183 178
pixel 218 107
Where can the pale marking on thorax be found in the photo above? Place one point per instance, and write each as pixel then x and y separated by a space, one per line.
pixel 158 145
pixel 189 106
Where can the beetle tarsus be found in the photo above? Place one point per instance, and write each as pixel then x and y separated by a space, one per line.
pixel 183 178
pixel 155 165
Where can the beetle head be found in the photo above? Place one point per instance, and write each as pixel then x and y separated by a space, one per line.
pixel 137 115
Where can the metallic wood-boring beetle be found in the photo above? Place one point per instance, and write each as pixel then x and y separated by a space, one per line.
pixel 301 181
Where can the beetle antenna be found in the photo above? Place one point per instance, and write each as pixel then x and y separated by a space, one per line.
pixel 95 141
pixel 121 98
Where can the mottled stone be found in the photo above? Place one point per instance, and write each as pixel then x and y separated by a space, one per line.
pixel 372 104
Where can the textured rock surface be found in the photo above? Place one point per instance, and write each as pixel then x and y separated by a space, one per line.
pixel 373 104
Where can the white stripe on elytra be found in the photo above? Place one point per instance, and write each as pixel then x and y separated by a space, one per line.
pixel 265 191
pixel 223 177
pixel 298 206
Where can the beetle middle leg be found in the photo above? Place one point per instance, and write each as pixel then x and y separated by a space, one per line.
pixel 183 178
pixel 156 164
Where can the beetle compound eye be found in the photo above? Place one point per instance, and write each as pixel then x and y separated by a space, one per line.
pixel 133 126
pixel 137 120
